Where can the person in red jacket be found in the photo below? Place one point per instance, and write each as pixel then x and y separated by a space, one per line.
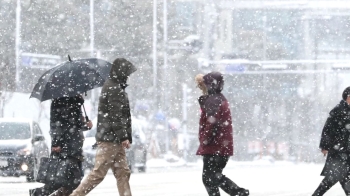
pixel 216 137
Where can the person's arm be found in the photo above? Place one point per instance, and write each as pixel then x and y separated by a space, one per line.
pixel 86 125
pixel 326 136
pixel 212 125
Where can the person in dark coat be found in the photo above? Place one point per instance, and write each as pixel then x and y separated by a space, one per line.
pixel 66 126
pixel 335 144
pixel 114 131
pixel 216 137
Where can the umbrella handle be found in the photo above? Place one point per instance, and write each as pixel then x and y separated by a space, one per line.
pixel 86 117
pixel 69 59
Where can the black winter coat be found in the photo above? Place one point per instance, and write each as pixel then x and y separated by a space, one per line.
pixel 114 117
pixel 66 126
pixel 335 138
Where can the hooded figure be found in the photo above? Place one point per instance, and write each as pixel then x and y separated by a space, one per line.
pixel 216 137
pixel 215 133
pixel 114 132
pixel 114 119
pixel 335 143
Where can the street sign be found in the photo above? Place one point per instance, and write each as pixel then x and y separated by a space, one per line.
pixel 235 68
pixel 41 61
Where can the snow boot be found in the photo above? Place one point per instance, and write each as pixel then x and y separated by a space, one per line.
pixel 241 192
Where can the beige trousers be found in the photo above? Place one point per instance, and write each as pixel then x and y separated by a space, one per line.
pixel 108 155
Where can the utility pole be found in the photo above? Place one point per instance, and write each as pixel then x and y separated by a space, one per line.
pixel 184 119
pixel 165 67
pixel 18 40
pixel 155 47
pixel 94 92
pixel 264 40
pixel 92 36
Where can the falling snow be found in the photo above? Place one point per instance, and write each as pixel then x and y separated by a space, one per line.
pixel 285 65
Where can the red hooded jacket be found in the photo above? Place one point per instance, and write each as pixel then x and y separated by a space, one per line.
pixel 215 124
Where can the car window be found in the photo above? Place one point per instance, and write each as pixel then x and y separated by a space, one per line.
pixel 37 129
pixel 14 130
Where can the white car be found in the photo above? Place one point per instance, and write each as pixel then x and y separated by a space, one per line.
pixel 22 145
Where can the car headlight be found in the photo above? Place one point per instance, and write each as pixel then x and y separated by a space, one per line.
pixel 25 151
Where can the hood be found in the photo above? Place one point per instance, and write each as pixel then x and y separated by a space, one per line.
pixel 214 81
pixel 121 70
pixel 343 108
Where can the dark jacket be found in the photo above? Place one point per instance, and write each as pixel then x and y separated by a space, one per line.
pixel 335 139
pixel 114 118
pixel 66 126
pixel 215 124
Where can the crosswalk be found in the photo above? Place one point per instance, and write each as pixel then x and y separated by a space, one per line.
pixel 291 180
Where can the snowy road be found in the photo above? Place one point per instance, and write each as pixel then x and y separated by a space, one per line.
pixel 262 180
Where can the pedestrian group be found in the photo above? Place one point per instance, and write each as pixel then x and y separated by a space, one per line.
pixel 114 132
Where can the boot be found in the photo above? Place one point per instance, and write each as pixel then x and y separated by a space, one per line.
pixel 61 192
pixel 241 192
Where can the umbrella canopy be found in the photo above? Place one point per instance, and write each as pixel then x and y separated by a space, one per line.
pixel 71 78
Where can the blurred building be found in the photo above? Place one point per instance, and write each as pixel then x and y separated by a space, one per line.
pixel 280 59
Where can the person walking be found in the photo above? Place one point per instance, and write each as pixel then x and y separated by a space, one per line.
pixel 66 130
pixel 216 137
pixel 113 131
pixel 335 144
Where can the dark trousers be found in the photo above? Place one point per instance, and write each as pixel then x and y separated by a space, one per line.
pixel 213 178
pixel 328 182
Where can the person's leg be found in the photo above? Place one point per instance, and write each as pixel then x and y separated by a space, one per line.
pixel 325 185
pixel 121 170
pixel 225 183
pixel 59 192
pixel 210 169
pixel 102 163
pixel 345 184
pixel 41 191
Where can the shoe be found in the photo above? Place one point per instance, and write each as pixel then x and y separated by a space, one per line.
pixel 242 192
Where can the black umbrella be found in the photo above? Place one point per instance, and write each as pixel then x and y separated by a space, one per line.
pixel 71 78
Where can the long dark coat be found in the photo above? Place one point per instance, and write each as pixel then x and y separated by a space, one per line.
pixel 215 124
pixel 66 126
pixel 335 138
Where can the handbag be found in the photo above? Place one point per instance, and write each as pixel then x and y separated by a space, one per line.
pixel 58 172
pixel 36 192
pixel 43 167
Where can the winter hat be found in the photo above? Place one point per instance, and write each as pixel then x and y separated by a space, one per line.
pixel 346 93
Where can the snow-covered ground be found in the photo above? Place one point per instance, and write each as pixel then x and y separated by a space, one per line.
pixel 172 175
pixel 261 178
